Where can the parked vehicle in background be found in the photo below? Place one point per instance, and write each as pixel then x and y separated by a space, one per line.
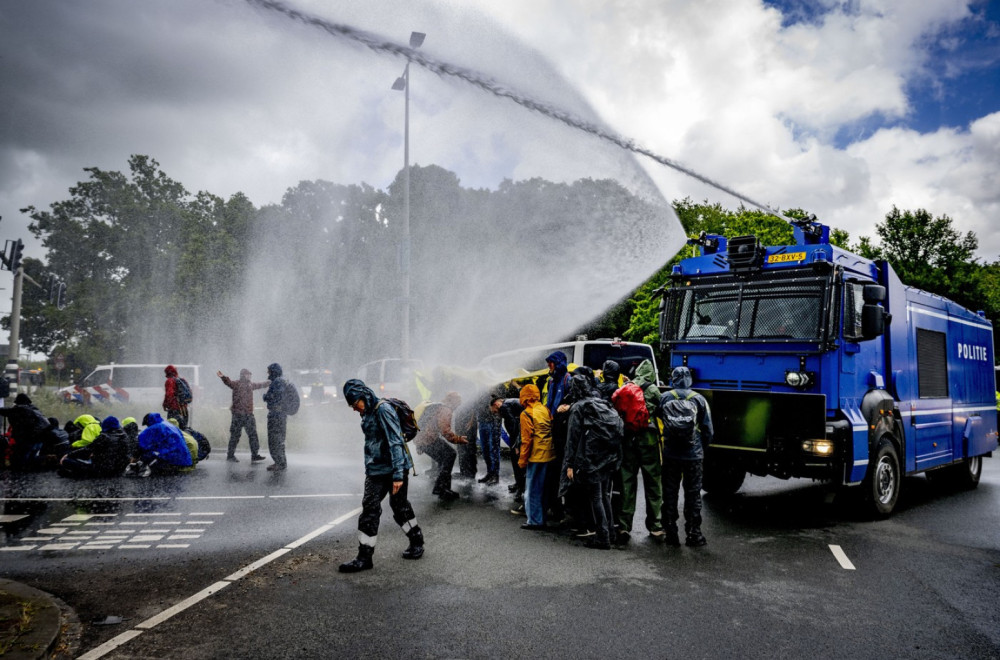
pixel 581 352
pixel 393 377
pixel 129 383
pixel 317 386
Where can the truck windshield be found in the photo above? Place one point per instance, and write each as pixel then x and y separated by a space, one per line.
pixel 753 309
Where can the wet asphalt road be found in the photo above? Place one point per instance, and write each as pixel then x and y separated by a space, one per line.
pixel 924 584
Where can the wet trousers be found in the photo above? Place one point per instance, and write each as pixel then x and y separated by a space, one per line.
pixel 598 494
pixel 276 422
pixel 534 496
pixel 640 453
pixel 690 474
pixel 467 458
pixel 376 488
pixel 444 455
pixel 515 455
pixel 489 445
pixel 240 422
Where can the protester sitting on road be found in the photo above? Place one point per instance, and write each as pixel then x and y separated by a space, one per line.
pixel 190 442
pixel 56 441
pixel 27 423
pixel 434 438
pixel 242 410
pixel 162 449
pixel 386 466
pixel 131 428
pixel 106 456
pixel 88 427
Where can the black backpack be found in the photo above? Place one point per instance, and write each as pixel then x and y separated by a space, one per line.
pixel 290 398
pixel 407 422
pixel 183 391
pixel 680 418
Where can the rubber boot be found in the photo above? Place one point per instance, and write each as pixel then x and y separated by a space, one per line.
pixel 695 539
pixel 416 549
pixel 363 562
pixel 670 536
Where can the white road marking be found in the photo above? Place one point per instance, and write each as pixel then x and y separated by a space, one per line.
pixel 143 515
pixel 174 545
pixel 17 548
pixel 841 557
pixel 130 546
pixel 59 546
pixel 176 537
pixel 280 497
pixel 198 522
pixel 52 530
pixel 110 645
pixel 4 519
pixel 147 537
pixel 223 497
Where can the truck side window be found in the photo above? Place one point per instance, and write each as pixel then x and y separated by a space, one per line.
pixel 854 301
pixel 932 364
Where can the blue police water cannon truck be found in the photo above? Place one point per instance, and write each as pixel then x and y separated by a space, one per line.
pixel 820 363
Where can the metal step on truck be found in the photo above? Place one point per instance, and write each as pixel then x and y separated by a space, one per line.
pixel 819 363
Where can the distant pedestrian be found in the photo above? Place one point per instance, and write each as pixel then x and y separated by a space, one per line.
pixel 176 396
pixel 386 466
pixel 277 419
pixel 242 409
pixel 687 430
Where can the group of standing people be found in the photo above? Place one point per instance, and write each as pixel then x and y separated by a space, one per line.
pixel 576 449
pixel 243 418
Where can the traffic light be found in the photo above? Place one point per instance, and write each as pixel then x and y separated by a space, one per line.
pixel 53 287
pixel 15 255
pixel 61 295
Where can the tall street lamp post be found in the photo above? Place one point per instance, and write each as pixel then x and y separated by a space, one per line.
pixel 403 84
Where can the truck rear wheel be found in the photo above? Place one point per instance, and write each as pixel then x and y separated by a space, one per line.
pixel 966 474
pixel 722 479
pixel 883 481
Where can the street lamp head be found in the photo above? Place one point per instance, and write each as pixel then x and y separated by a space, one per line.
pixel 400 84
pixel 416 39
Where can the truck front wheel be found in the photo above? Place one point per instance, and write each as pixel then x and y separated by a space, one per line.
pixel 883 481
pixel 722 479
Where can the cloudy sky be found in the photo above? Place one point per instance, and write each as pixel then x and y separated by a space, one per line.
pixel 841 108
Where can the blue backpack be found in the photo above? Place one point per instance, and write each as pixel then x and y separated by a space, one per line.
pixel 183 392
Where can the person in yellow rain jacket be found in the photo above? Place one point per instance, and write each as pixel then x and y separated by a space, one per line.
pixel 537 453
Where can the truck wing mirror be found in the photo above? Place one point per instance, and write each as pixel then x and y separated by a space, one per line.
pixel 872 321
pixel 873 293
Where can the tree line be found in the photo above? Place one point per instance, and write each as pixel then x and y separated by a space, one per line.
pixel 153 270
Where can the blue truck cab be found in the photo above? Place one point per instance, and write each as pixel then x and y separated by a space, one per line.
pixel 820 363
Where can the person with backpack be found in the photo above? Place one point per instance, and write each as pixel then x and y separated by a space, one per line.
pixel 687 430
pixel 433 439
pixel 593 455
pixel 242 410
pixel 28 424
pixel 277 399
pixel 386 466
pixel 556 387
pixel 177 396
pixel 637 401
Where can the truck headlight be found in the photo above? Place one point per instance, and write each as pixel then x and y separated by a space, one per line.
pixel 797 378
pixel 818 447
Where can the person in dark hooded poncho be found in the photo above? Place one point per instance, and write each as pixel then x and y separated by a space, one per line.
pixel 610 375
pixel 386 465
pixel 593 454
pixel 687 430
pixel 276 417
pixel 106 456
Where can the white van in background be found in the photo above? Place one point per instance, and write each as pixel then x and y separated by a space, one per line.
pixel 128 383
pixel 393 377
pixel 582 352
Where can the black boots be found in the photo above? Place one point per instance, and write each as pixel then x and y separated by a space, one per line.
pixel 670 536
pixel 363 562
pixel 695 539
pixel 416 549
